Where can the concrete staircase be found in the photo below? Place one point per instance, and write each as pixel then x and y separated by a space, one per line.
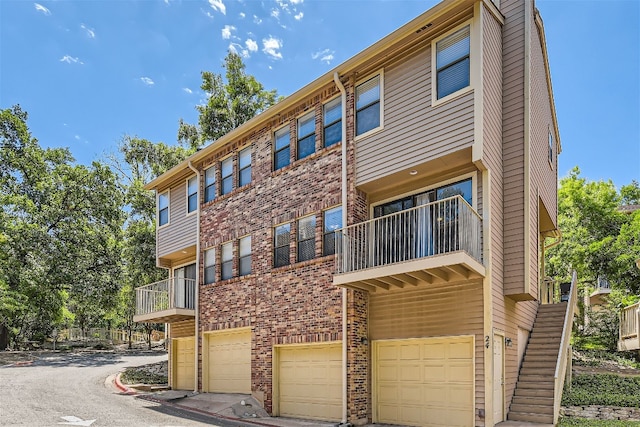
pixel 533 397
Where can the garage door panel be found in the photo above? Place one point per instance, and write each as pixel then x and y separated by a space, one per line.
pixel 460 350
pixel 229 362
pixel 410 352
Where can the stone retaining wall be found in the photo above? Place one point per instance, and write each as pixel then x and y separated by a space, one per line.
pixel 601 412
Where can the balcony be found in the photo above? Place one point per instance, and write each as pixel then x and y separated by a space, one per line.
pixel 439 242
pixel 629 328
pixel 166 301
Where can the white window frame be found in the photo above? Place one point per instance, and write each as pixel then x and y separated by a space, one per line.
pixel 306 117
pixel 331 103
pixel 551 149
pixel 197 193
pixel 242 255
pixel 286 128
pixel 380 74
pixel 325 233
pixel 275 227
pixel 215 193
pixel 299 240
pixel 168 193
pixel 223 260
pixel 240 168
pixel 209 262
pixel 472 64
pixel 222 177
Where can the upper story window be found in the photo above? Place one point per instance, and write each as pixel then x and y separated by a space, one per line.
pixel 282 155
pixel 550 148
pixel 332 122
pixel 226 270
pixel 209 266
pixel 332 221
pixel 306 238
pixel 368 105
pixel 209 184
pixel 281 241
pixel 245 255
pixel 163 208
pixel 306 136
pixel 244 161
pixel 453 69
pixel 227 175
pixel 192 194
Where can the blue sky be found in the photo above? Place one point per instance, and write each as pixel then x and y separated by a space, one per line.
pixel 89 72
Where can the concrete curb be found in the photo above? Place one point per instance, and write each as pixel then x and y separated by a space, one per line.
pixel 123 388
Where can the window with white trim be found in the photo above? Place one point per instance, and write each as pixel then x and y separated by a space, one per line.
pixel 209 184
pixel 281 241
pixel 453 65
pixel 245 255
pixel 163 208
pixel 192 194
pixel 282 152
pixel 332 122
pixel 306 238
pixel 306 136
pixel 244 167
pixel 368 105
pixel 209 266
pixel 227 175
pixel 550 148
pixel 226 270
pixel 332 221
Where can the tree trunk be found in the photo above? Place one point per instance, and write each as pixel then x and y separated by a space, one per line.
pixel 4 337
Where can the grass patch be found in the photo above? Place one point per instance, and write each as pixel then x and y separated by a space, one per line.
pixel 583 422
pixel 599 357
pixel 139 376
pixel 603 389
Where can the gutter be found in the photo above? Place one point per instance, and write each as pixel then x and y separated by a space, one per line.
pixel 197 290
pixel 343 95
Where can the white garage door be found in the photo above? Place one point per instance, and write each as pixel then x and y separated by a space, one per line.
pixel 183 363
pixel 424 382
pixel 229 361
pixel 309 381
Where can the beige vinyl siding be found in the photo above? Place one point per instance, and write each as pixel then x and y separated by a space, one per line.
pixel 432 311
pixel 414 132
pixel 186 328
pixel 181 230
pixel 513 145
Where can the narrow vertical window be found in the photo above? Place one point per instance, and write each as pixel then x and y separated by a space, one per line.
pixel 245 255
pixel 332 122
pixel 163 208
pixel 332 221
pixel 368 105
pixel 282 155
pixel 209 184
pixel 227 261
pixel 244 161
pixel 192 194
pixel 281 241
pixel 306 136
pixel 209 266
pixel 227 175
pixel 452 62
pixel 306 238
pixel 550 148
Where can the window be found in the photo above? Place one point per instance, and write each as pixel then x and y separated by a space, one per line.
pixel 281 245
pixel 163 208
pixel 368 105
pixel 306 238
pixel 227 175
pixel 282 156
pixel 227 261
pixel 306 136
pixel 452 63
pixel 192 194
pixel 209 266
pixel 244 160
pixel 332 222
pixel 209 184
pixel 332 122
pixel 245 256
pixel 550 148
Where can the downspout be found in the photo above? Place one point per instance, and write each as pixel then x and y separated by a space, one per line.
pixel 343 95
pixel 197 290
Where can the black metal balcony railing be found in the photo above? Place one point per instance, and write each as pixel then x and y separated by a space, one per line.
pixel 167 294
pixel 437 228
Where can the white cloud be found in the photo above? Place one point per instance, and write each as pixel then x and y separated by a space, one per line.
pixel 325 56
pixel 218 6
pixel 71 60
pixel 251 45
pixel 147 81
pixel 42 9
pixel 226 31
pixel 296 1
pixel 207 14
pixel 298 16
pixel 257 20
pixel 187 90
pixel 242 15
pixel 275 13
pixel 166 1
pixel 271 47
pixel 237 48
pixel 90 32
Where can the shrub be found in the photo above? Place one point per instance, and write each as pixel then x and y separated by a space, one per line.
pixel 603 389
